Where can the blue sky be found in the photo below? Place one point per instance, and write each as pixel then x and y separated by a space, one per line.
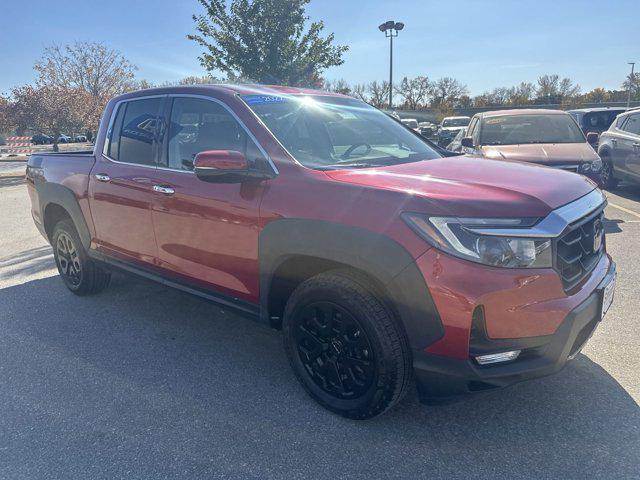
pixel 482 43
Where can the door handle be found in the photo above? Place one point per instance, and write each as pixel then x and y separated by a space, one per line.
pixel 101 177
pixel 614 141
pixel 163 189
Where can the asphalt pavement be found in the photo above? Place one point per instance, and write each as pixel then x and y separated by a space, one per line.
pixel 142 381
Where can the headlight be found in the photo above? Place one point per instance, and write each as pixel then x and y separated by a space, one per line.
pixel 453 235
pixel 594 166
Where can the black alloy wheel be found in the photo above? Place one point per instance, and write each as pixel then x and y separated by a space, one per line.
pixel 334 350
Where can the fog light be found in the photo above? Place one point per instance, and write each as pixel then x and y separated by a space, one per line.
pixel 497 357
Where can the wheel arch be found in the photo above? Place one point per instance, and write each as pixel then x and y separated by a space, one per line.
pixel 57 202
pixel 292 250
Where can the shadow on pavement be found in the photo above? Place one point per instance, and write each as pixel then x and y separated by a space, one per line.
pixel 11 180
pixel 27 262
pixel 145 381
pixel 629 191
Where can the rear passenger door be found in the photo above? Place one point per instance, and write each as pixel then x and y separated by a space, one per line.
pixel 121 183
pixel 207 233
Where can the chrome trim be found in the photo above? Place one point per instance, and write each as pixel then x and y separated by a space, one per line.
pixel 556 222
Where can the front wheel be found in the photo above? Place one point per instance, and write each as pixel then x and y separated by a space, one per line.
pixel 609 182
pixel 79 272
pixel 345 345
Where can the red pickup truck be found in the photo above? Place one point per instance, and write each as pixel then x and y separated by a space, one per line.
pixel 381 261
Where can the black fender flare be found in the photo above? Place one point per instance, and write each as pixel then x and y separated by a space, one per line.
pixel 54 193
pixel 375 254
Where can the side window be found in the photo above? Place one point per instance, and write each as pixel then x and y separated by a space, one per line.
pixel 632 125
pixel 111 147
pixel 197 125
pixel 138 131
pixel 471 131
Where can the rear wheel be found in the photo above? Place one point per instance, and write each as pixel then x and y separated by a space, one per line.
pixel 345 345
pixel 80 273
pixel 609 182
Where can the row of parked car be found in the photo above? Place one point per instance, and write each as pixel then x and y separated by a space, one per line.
pixel 42 139
pixel 566 140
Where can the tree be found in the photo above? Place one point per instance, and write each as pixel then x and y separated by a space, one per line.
pixel 633 84
pixel 5 123
pixel 337 86
pixel 597 95
pixel 88 67
pixel 414 91
pixel 553 89
pixel 50 109
pixel 359 90
pixel 447 90
pixel 264 41
pixel 522 94
pixel 378 93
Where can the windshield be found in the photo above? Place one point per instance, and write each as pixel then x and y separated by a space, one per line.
pixel 332 132
pixel 455 122
pixel 519 129
pixel 410 123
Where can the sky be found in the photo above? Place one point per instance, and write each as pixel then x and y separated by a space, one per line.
pixel 484 44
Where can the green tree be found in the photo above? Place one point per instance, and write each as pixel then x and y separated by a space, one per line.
pixel 264 41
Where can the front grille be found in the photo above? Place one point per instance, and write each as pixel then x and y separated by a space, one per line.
pixel 576 256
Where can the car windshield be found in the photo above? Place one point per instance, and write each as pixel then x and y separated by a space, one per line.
pixel 326 132
pixel 456 122
pixel 523 129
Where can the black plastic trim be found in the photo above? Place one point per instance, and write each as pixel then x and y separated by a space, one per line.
pixel 215 297
pixel 375 254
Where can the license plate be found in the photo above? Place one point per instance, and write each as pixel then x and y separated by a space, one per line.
pixel 607 296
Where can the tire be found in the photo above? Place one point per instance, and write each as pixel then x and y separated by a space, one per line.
pixel 345 345
pixel 609 182
pixel 79 272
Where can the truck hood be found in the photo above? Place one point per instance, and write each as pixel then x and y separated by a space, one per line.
pixel 472 186
pixel 452 129
pixel 544 153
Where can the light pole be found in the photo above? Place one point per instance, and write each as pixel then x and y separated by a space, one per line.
pixel 631 79
pixel 391 30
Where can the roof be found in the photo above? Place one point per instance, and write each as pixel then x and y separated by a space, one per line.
pixel 453 118
pixel 596 109
pixel 523 111
pixel 247 89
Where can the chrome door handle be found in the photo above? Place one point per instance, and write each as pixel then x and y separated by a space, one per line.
pixel 614 141
pixel 101 177
pixel 163 189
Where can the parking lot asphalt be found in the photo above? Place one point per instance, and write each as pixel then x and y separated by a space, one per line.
pixel 142 381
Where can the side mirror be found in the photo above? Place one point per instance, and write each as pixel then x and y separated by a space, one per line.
pixel 592 138
pixel 467 142
pixel 221 166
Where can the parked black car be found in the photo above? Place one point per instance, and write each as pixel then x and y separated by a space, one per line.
pixel 41 139
pixel 595 120
pixel 620 150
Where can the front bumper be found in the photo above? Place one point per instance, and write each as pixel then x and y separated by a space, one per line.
pixel 440 377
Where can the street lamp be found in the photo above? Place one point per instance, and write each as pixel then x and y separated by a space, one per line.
pixel 631 79
pixel 391 30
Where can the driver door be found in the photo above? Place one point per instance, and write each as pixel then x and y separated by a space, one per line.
pixel 207 233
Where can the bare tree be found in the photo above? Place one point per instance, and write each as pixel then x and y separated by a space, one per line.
pixel 90 67
pixel 414 91
pixel 522 94
pixel 338 86
pixel 553 89
pixel 378 93
pixel 632 83
pixel 51 109
pixel 359 90
pixel 447 90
